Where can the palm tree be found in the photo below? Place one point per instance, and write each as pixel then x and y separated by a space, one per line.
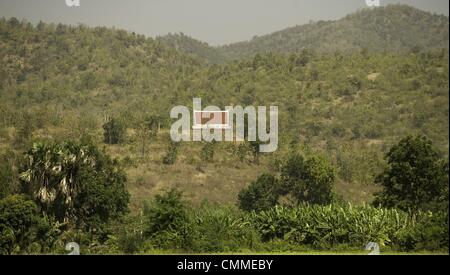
pixel 52 175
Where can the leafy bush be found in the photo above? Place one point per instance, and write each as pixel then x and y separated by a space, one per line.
pixel 415 178
pixel 166 220
pixel 172 153
pixel 221 229
pixel 114 132
pixel 241 151
pixel 8 175
pixel 102 195
pixel 130 242
pixel 18 217
pixel 207 153
pixel 47 233
pixel 130 237
pixel 308 180
pixel 261 194
pixel 169 224
pixel 431 233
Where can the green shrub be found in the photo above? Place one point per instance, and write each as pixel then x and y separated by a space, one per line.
pixel 8 174
pixel 431 234
pixel 170 225
pixel 47 232
pixel 172 153
pixel 207 153
pixel 18 218
pixel 308 180
pixel 416 177
pixel 166 220
pixel 114 132
pixel 221 229
pixel 130 242
pixel 261 194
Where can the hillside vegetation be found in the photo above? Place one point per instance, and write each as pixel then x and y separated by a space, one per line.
pixel 65 82
pixel 84 121
pixel 394 28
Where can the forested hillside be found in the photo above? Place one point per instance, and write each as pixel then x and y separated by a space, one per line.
pixel 84 120
pixel 394 28
pixel 190 46
pixel 76 66
pixel 66 82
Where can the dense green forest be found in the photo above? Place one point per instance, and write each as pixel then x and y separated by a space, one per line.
pixel 85 154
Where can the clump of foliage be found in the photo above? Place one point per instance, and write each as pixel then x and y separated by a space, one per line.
pixel 114 132
pixel 166 221
pixel 8 173
pixel 261 194
pixel 75 183
pixel 207 153
pixel 18 217
pixel 306 180
pixel 430 234
pixel 172 153
pixel 254 149
pixel 221 229
pixel 416 177
pixel 170 224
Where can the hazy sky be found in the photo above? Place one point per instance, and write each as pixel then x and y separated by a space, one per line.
pixel 214 21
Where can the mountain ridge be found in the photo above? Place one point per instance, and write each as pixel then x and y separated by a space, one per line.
pixel 393 28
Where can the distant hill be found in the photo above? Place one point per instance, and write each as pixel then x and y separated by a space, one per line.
pixel 392 28
pixel 63 82
pixel 191 46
